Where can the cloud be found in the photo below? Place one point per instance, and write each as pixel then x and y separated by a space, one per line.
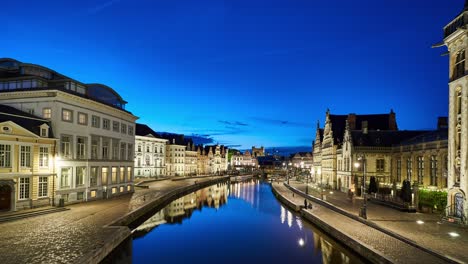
pixel 99 8
pixel 280 122
pixel 235 123
pixel 201 139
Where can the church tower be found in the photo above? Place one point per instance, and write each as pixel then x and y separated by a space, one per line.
pixel 456 40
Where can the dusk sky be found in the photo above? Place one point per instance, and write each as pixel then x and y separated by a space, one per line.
pixel 244 73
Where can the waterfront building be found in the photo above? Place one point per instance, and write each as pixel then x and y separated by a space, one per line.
pixel 218 159
pixel 96 134
pixel 244 161
pixel 191 155
pixel 150 152
pixel 27 164
pixel 175 154
pixel 203 163
pixel 302 160
pixel 456 40
pixel 258 152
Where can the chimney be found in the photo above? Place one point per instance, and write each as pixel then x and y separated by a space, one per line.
pixel 364 127
pixel 442 122
pixel 352 121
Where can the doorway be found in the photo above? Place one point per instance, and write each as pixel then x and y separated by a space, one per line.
pixel 5 198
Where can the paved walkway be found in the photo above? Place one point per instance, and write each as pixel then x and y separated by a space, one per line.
pixel 390 247
pixel 66 236
pixel 432 234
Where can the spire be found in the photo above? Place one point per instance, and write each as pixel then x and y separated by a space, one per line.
pixel 318 124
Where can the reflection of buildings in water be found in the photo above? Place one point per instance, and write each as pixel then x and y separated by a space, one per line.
pixel 329 255
pixel 152 222
pixel 299 222
pixel 290 219
pixel 283 214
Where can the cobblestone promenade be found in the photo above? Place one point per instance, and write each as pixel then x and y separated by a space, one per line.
pixel 431 234
pixel 66 236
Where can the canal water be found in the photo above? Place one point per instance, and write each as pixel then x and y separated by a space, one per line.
pixel 237 223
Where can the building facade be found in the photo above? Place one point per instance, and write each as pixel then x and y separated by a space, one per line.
pixel 243 161
pixel 175 154
pixel 150 153
pixel 191 156
pixel 456 40
pixel 96 134
pixel 27 164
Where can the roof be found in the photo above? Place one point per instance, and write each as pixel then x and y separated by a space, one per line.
pixel 23 119
pixel 174 139
pixel 382 138
pixel 144 130
pixel 435 135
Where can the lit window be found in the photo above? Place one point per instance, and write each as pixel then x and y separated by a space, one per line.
pixel 65 146
pixel 104 175
pixel 65 177
pixel 47 113
pixel 114 175
pixel 93 194
pixel 93 176
pixel 82 119
pixel 80 148
pixel 43 157
pixel 122 174
pixel 80 174
pixel 67 115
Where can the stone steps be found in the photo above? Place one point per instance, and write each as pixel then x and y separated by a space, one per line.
pixel 23 215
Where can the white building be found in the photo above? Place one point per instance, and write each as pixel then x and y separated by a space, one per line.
pixel 95 132
pixel 150 152
pixel 175 154
pixel 191 159
pixel 456 39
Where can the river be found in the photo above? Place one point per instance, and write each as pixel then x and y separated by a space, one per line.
pixel 237 223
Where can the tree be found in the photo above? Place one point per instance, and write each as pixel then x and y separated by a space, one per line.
pixel 372 185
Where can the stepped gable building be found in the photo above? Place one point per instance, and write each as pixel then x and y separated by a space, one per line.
pixel 96 134
pixel 335 126
pixel 191 155
pixel 243 161
pixel 27 147
pixel 150 152
pixel 302 160
pixel 217 156
pixel 456 40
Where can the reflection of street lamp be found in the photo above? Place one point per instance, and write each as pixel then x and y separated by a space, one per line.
pixel 363 211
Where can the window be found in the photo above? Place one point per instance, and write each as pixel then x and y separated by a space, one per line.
pixel 123 147
pixel 106 124
pixel 148 149
pixel 434 170
pixel 65 177
pixel 130 130
pixel 122 174
pixel 93 176
pixel 25 156
pixel 94 147
pixel 459 70
pixel 399 170
pixel 114 175
pixel 129 174
pixel 130 152
pixel 5 156
pixel 123 128
pixel 65 146
pixel 43 184
pixel 104 175
pixel 380 165
pixel 67 115
pixel 23 188
pixel 81 148
pixel 47 113
pixel 44 132
pixel 95 121
pixel 459 102
pixel 139 147
pixel 139 162
pixel 82 119
pixel 80 174
pixel 30 111
pixel 115 126
pixel 147 160
pixel 421 170
pixel 93 194
pixel 115 149
pixel 79 195
pixel 43 157
pixel 105 149
pixel 409 169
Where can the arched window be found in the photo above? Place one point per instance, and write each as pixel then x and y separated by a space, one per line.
pixel 434 170
pixel 459 102
pixel 139 147
pixel 147 160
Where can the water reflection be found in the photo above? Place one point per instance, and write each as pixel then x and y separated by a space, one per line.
pixel 230 219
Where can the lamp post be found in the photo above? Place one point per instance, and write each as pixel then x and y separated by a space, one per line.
pixel 287 171
pixel 363 209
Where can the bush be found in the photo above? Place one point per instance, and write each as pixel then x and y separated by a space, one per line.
pixel 433 199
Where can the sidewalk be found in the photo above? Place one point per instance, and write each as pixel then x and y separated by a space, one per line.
pixel 65 237
pixel 431 234
pixel 378 243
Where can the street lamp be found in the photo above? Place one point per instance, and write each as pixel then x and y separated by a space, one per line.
pixel 363 209
pixel 287 171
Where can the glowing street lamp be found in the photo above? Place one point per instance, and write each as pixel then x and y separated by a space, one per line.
pixel 357 165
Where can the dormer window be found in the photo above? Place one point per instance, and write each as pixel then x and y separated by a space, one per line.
pixel 44 130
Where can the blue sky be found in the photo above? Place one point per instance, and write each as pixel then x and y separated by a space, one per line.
pixel 241 72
